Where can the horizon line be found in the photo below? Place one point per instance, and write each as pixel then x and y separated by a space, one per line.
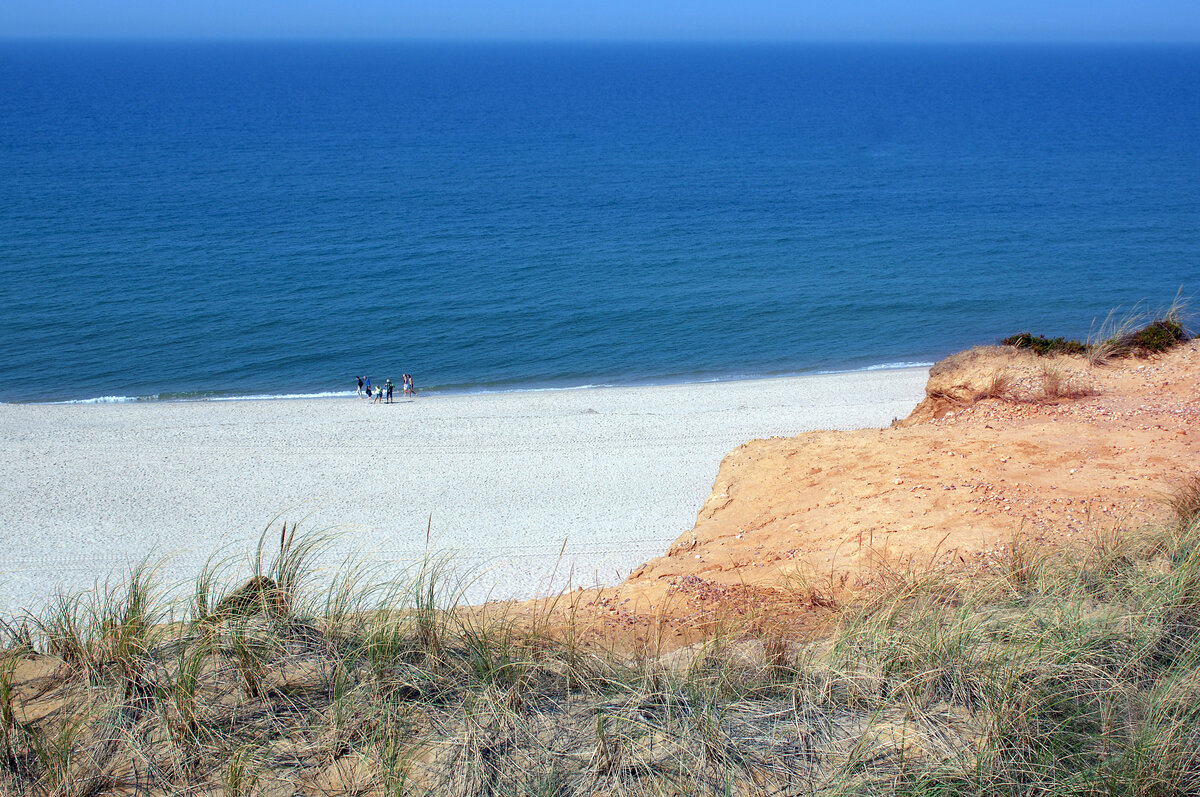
pixel 613 40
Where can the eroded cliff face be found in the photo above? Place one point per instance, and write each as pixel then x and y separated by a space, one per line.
pixel 1005 446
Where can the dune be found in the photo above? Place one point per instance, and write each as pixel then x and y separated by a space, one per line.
pixel 1007 448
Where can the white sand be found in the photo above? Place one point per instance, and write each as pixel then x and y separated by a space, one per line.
pixel 616 472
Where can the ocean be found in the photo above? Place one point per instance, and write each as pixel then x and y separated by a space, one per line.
pixel 218 220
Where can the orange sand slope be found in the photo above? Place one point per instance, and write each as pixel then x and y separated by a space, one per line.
pixel 1004 444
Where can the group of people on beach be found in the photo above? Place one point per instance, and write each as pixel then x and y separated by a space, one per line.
pixel 384 392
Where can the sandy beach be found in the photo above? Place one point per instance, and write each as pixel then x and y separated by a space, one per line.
pixel 616 473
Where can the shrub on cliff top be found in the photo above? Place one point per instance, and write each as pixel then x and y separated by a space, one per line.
pixel 1156 337
pixel 1043 345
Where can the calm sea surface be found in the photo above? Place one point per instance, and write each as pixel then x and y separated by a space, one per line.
pixel 212 220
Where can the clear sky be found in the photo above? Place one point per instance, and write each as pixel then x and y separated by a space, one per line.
pixel 747 20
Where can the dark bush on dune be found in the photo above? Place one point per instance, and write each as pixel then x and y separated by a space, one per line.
pixel 1158 336
pixel 1043 346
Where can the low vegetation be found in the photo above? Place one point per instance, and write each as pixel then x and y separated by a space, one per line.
pixel 1057 382
pixel 1070 672
pixel 1045 346
pixel 996 386
pixel 1131 336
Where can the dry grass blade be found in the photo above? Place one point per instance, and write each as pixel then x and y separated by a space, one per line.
pixel 1184 501
pixel 1074 673
pixel 997 385
pixel 1057 383
pixel 1139 332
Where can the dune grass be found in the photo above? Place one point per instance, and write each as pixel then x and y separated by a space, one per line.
pixel 1056 382
pixel 1073 672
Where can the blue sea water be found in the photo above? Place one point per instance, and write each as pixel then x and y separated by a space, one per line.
pixel 209 220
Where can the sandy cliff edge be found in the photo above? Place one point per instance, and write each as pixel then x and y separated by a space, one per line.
pixel 1005 446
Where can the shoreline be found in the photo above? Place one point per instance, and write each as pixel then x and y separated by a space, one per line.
pixel 617 473
pixel 210 396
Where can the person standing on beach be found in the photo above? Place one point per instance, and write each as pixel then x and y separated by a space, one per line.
pixel 360 387
pixel 388 384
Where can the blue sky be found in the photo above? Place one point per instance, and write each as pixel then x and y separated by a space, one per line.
pixel 752 20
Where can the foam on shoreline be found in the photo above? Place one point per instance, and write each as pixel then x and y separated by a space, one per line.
pixel 469 390
pixel 87 489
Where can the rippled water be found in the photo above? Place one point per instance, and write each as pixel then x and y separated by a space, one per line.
pixel 248 219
